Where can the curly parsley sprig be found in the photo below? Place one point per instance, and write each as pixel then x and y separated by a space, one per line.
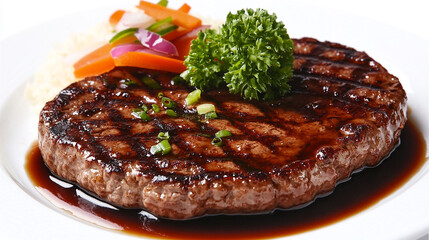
pixel 252 55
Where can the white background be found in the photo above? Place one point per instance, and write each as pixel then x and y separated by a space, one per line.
pixel 409 15
pixel 16 16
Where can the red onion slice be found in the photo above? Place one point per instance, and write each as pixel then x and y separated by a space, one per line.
pixel 156 42
pixel 124 48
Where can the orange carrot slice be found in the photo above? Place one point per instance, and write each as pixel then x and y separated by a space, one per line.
pixel 181 30
pixel 95 63
pixel 150 61
pixel 183 46
pixel 179 18
pixel 116 17
pixel 184 8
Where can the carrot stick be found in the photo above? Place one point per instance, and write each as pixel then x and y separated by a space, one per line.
pixel 181 30
pixel 95 63
pixel 184 8
pixel 150 61
pixel 179 18
pixel 116 17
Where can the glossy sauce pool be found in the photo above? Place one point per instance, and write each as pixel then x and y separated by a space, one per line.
pixel 363 190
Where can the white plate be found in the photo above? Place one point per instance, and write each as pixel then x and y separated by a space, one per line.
pixel 24 212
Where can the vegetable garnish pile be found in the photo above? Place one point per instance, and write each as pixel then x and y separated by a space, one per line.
pixel 152 37
pixel 251 54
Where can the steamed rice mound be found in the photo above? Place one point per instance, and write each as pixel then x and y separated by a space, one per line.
pixel 56 72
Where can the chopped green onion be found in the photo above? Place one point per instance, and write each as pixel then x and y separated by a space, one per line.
pixel 160 95
pixel 193 97
pixel 210 115
pixel 128 82
pixel 171 113
pixel 205 108
pixel 178 80
pixel 150 82
pixel 144 108
pixel 223 133
pixel 203 135
pixel 163 3
pixel 156 108
pixel 167 29
pixel 122 34
pixel 163 136
pixel 162 147
pixel 140 113
pixel 168 103
pixel 217 141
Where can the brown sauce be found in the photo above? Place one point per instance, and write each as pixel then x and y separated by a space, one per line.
pixel 363 190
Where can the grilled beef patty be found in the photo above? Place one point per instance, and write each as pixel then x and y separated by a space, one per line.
pixel 345 111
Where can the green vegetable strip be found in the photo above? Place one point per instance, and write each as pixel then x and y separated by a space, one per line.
pixel 193 97
pixel 163 3
pixel 155 149
pixel 171 113
pixel 156 108
pixel 122 34
pixel 150 82
pixel 161 24
pixel 160 95
pixel 162 147
pixel 168 103
pixel 129 82
pixel 223 133
pixel 139 113
pixel 163 136
pixel 205 108
pixel 217 141
pixel 144 108
pixel 167 29
pixel 210 115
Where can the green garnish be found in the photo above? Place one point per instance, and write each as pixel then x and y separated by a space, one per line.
pixel 156 108
pixel 193 97
pixel 178 80
pixel 160 95
pixel 163 136
pixel 150 82
pixel 128 82
pixel 167 29
pixel 205 108
pixel 217 141
pixel 141 113
pixel 163 3
pixel 144 108
pixel 171 113
pixel 203 135
pixel 210 115
pixel 252 55
pixel 168 103
pixel 162 147
pixel 122 34
pixel 223 133
pixel 160 25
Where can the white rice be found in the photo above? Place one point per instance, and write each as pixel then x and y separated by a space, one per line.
pixel 56 72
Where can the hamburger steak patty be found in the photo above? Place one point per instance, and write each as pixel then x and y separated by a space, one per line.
pixel 345 112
